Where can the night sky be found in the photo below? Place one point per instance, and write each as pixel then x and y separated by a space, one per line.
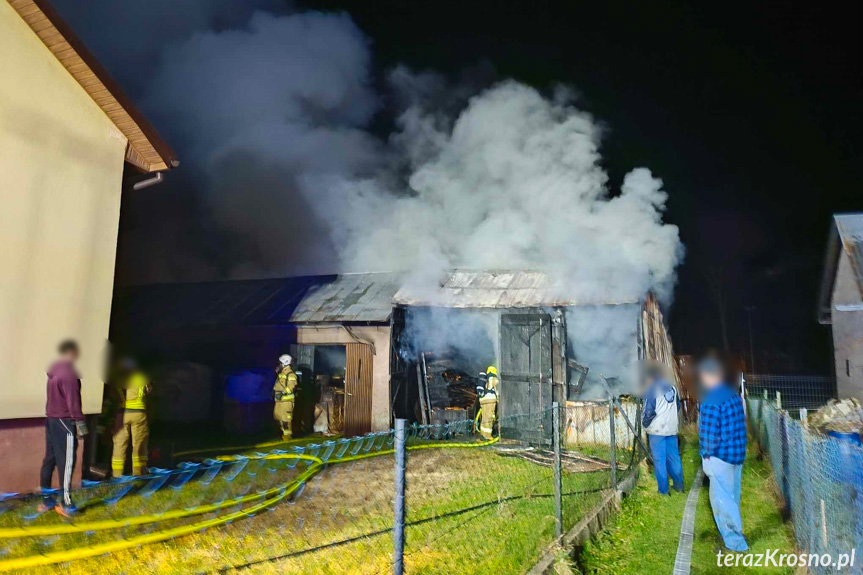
pixel 749 113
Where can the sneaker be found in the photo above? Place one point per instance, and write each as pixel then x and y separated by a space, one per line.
pixel 66 512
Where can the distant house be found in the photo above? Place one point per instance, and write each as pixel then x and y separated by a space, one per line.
pixel 67 138
pixel 840 302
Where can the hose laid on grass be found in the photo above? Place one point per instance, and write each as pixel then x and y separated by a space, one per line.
pixel 158 536
pixel 66 528
pixel 247 447
pixel 93 550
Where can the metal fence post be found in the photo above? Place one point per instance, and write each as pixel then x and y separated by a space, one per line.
pixel 558 491
pixel 399 500
pixel 613 444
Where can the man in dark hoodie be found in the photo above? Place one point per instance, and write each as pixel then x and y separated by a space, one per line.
pixel 64 424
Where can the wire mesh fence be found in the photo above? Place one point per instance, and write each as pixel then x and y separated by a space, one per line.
pixel 820 479
pixel 796 391
pixel 496 509
pixel 599 452
pixel 472 504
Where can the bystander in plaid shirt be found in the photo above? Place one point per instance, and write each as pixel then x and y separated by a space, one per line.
pixel 722 426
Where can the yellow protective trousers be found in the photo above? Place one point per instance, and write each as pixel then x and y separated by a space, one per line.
pixel 488 404
pixel 130 425
pixel 284 414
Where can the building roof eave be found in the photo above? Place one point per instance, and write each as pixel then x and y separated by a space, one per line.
pixel 145 149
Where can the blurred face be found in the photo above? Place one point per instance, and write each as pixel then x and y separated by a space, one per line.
pixel 645 383
pixel 709 380
pixel 71 355
pixel 645 379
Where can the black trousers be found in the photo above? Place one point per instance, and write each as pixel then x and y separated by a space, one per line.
pixel 61 446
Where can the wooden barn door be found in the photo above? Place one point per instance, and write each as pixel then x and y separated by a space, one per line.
pixel 525 377
pixel 358 389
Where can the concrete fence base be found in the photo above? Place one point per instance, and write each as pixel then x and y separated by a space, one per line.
pixel 589 526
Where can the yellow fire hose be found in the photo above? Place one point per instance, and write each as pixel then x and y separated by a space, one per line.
pixel 248 447
pixel 102 548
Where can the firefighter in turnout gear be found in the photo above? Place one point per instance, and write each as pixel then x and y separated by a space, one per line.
pixel 488 400
pixel 130 423
pixel 283 393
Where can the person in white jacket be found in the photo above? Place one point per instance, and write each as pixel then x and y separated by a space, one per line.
pixel 661 406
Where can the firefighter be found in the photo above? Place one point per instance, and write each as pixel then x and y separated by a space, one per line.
pixel 488 401
pixel 283 393
pixel 130 422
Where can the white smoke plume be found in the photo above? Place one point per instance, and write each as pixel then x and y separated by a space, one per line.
pixel 272 113
pixel 515 182
pixel 275 117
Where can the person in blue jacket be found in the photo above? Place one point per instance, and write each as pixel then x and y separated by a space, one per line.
pixel 660 421
pixel 722 438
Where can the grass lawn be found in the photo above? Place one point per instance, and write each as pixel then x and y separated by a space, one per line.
pixel 762 522
pixel 469 510
pixel 643 537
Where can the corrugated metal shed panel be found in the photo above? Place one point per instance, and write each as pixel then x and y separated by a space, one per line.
pixel 494 289
pixel 351 297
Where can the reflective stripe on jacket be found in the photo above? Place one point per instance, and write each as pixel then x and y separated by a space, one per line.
pixel 135 392
pixel 135 399
pixel 286 381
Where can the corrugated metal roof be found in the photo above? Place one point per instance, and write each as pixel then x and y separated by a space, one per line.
pixel 360 297
pixel 351 297
pixel 330 298
pixel 494 289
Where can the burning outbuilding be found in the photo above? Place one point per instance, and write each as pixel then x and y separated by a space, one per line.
pixel 548 346
pixel 386 345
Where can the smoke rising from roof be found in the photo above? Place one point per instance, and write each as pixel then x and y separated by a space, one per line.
pixel 272 112
pixel 275 118
pixel 277 115
pixel 514 181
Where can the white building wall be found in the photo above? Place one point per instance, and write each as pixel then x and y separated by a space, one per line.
pixel 61 168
